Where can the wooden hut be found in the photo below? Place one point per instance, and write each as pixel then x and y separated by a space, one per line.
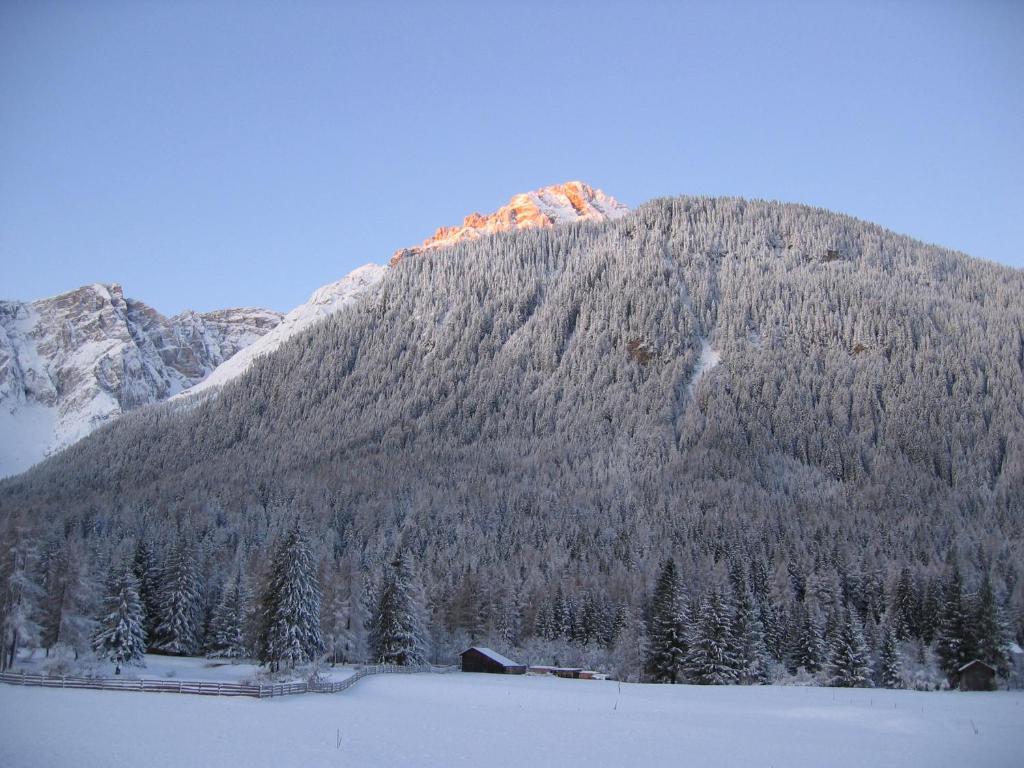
pixel 977 676
pixel 479 659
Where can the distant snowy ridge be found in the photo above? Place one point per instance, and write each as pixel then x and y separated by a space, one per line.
pixel 73 362
pixel 324 301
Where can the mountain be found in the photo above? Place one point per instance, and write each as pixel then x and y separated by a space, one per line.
pixel 325 301
pixel 780 398
pixel 541 209
pixel 73 362
pixel 580 361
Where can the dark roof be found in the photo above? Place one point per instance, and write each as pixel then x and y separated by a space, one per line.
pixel 493 656
pixel 977 661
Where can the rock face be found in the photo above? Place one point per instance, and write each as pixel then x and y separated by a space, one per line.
pixel 324 301
pixel 70 363
pixel 543 208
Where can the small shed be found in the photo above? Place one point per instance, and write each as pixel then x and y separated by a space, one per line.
pixel 480 659
pixel 573 673
pixel 977 676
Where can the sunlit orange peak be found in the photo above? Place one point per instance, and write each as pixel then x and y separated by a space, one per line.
pixel 544 208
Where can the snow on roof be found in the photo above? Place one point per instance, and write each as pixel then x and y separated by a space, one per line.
pixel 495 656
pixel 976 661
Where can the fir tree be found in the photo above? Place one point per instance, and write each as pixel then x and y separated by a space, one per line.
pixel 804 646
pixel 849 663
pixel 929 616
pixel 889 667
pixel 121 636
pixel 398 635
pixel 177 630
pixel 290 633
pixel 230 618
pixel 747 636
pixel 711 658
pixel 666 647
pixel 905 609
pixel 772 620
pixel 990 630
pixel 148 575
pixel 955 642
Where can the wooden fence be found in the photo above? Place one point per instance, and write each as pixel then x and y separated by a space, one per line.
pixel 255 690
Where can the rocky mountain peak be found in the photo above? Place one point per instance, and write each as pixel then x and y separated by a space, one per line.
pixel 543 208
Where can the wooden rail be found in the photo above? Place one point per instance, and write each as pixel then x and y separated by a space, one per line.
pixel 195 687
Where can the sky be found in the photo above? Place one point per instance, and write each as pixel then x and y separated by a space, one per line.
pixel 215 154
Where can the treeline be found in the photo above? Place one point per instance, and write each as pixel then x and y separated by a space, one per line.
pixel 754 625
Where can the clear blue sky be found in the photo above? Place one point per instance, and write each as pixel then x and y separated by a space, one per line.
pixel 222 154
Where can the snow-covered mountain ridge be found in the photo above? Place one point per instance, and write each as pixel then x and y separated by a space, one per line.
pixel 73 362
pixel 325 301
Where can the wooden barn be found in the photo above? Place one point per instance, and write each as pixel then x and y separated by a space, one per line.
pixel 977 676
pixel 478 659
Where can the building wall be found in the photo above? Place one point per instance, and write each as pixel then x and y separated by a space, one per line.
pixel 977 678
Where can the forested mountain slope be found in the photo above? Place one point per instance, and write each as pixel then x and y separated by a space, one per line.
pixel 541 410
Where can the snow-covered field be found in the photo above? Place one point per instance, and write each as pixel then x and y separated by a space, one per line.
pixel 490 720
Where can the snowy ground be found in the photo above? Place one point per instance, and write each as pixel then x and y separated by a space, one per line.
pixel 489 720
pixel 175 668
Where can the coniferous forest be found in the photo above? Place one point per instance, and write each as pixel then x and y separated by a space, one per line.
pixel 716 441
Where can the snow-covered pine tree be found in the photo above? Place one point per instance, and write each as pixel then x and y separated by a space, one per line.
pixel 229 621
pixel 990 630
pixel 177 630
pixel 290 630
pixel 849 663
pixel 711 657
pixel 905 607
pixel 955 641
pixel 510 620
pixel 666 646
pixel 544 623
pixel 889 665
pixel 929 616
pixel 121 636
pixel 148 575
pixel 773 622
pixel 804 645
pixel 747 637
pixel 398 636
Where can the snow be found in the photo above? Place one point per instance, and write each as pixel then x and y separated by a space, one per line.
pixel 555 204
pixel 27 430
pixel 325 301
pixel 709 358
pixel 502 720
